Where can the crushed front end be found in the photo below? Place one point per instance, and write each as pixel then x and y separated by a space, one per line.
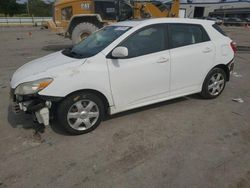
pixel 32 104
pixel 25 98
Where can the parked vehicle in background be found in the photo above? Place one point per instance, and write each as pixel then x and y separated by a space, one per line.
pixel 246 20
pixel 217 20
pixel 77 19
pixel 124 66
pixel 233 22
pixel 241 13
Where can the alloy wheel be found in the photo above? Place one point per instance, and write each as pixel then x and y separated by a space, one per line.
pixel 216 84
pixel 83 114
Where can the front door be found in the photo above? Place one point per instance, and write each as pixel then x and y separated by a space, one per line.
pixel 144 76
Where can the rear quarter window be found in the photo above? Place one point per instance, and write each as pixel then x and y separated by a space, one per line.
pixel 186 34
pixel 217 28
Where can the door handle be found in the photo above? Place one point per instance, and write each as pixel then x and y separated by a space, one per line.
pixel 207 50
pixel 163 60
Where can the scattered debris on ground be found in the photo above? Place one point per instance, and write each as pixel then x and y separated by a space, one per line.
pixel 237 75
pixel 239 100
pixel 19 38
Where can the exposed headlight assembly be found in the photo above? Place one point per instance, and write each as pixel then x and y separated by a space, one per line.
pixel 33 87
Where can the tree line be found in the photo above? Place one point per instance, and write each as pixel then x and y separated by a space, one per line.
pixel 32 8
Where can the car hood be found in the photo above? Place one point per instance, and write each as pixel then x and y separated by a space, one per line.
pixel 39 66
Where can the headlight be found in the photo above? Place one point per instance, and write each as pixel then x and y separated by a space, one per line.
pixel 32 87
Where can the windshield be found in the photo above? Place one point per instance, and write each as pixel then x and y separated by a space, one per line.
pixel 96 42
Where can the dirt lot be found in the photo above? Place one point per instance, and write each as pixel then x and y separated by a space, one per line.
pixel 187 142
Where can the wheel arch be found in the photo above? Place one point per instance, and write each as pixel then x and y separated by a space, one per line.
pixel 80 18
pixel 221 66
pixel 98 93
pixel 204 91
pixel 225 68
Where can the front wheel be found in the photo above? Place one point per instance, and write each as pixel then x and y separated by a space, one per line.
pixel 80 113
pixel 82 31
pixel 214 83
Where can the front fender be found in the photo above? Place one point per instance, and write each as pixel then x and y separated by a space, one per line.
pixel 92 75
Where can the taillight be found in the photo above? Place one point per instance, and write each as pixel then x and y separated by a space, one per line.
pixel 233 46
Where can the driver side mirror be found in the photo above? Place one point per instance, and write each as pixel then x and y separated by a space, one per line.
pixel 120 52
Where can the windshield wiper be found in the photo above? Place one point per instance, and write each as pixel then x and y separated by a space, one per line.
pixel 70 53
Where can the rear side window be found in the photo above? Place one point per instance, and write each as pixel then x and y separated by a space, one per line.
pixel 186 34
pixel 146 41
pixel 217 28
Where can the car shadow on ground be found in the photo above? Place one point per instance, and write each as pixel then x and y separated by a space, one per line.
pixel 195 96
pixel 25 121
pixel 55 126
pixel 20 120
pixel 149 107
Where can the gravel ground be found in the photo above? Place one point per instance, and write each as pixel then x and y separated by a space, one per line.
pixel 186 142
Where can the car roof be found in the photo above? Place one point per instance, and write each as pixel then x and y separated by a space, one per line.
pixel 134 23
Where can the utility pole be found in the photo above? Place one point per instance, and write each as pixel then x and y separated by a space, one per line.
pixel 28 10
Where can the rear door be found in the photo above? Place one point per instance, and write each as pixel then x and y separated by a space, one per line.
pixel 192 54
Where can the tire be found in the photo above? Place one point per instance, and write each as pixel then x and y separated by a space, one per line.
pixel 80 113
pixel 214 83
pixel 81 31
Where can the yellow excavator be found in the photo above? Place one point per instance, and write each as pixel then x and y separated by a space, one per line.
pixel 77 19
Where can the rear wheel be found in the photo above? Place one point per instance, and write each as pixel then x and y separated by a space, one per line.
pixel 82 31
pixel 80 113
pixel 214 83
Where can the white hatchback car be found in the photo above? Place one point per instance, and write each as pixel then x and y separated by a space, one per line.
pixel 124 66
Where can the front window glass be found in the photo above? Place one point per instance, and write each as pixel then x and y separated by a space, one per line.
pixel 146 41
pixel 96 42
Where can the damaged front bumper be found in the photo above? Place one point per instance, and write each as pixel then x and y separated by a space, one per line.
pixel 39 106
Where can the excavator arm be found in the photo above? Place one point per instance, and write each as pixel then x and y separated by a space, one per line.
pixel 155 9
